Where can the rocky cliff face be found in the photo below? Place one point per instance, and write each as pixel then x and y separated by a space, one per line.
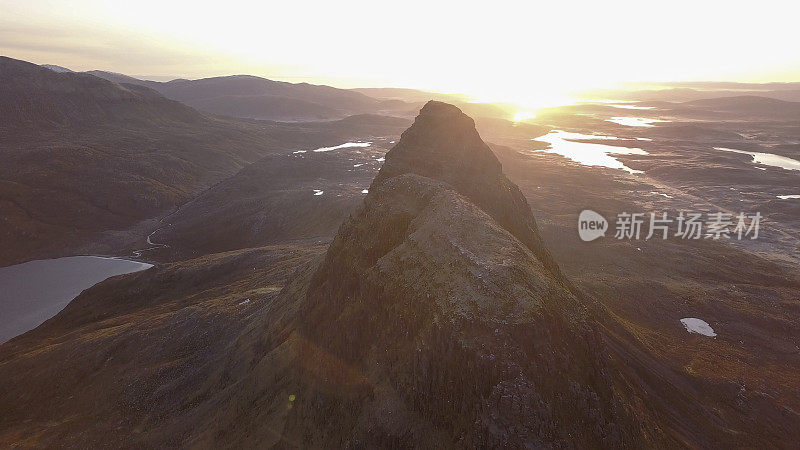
pixel 447 318
pixel 444 145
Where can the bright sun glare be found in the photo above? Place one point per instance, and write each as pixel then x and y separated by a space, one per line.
pixel 523 115
pixel 533 54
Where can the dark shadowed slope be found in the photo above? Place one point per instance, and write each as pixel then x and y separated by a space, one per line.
pixel 142 360
pixel 80 155
pixel 34 96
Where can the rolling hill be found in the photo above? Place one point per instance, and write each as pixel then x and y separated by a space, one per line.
pixel 259 98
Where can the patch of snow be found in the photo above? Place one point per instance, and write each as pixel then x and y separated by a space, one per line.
pixel 588 153
pixel 358 165
pixel 244 302
pixel 365 191
pixel 787 197
pixel 56 68
pixel 699 326
pixel 299 151
pixel 381 159
pixel 318 192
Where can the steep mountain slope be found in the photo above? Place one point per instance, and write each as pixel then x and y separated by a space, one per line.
pixel 142 360
pixel 259 98
pixel 444 145
pixel 439 294
pixel 436 318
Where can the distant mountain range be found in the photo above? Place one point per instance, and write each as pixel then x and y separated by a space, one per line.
pixel 411 95
pixel 736 108
pixel 751 104
pixel 87 155
pixel 246 96
pixel 732 85
pixel 698 91
pixel 259 98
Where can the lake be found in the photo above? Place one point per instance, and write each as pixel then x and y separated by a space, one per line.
pixel 589 154
pixel 35 291
pixel 635 121
pixel 767 159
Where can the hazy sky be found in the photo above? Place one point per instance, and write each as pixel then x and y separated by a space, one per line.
pixel 529 52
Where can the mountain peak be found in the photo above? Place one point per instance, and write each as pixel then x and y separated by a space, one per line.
pixel 444 258
pixel 443 144
pixel 435 107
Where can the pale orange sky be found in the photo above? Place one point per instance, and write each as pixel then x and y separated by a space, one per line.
pixel 526 52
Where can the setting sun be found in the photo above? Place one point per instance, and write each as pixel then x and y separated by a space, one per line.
pixel 534 54
pixel 521 115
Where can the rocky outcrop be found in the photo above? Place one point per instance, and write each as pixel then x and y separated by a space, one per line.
pixel 444 145
pixel 446 317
